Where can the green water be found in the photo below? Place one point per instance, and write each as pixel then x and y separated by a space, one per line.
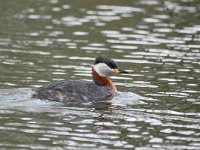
pixel 157 41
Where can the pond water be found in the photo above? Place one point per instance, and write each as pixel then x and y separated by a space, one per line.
pixel 158 103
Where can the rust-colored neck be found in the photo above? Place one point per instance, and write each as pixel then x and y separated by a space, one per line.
pixel 104 81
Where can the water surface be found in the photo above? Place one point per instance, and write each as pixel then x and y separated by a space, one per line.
pixel 157 41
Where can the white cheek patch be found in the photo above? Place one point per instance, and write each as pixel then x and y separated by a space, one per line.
pixel 103 70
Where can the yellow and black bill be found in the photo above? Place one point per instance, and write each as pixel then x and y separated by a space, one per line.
pixel 119 70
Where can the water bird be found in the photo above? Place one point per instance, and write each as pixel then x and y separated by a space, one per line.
pixel 80 90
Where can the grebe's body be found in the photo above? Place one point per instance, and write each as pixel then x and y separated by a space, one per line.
pixel 80 90
pixel 67 91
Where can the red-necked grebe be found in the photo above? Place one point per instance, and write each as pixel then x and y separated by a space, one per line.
pixel 80 90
